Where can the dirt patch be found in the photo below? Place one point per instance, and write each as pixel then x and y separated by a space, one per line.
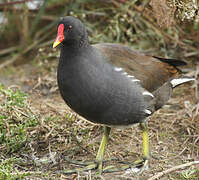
pixel 62 134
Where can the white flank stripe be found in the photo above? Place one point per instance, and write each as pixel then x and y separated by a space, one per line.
pixel 146 93
pixel 135 80
pixel 147 111
pixel 124 73
pixel 176 82
pixel 130 76
pixel 118 69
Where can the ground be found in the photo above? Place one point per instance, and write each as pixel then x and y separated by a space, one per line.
pixel 50 132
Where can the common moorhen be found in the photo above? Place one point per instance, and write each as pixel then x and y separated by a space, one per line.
pixel 111 84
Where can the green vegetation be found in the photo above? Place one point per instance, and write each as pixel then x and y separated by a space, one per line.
pixel 15 119
pixel 37 130
pixel 190 174
pixel 7 171
pixel 166 28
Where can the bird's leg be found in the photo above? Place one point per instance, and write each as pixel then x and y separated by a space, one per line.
pixel 100 153
pixel 145 136
pixel 141 163
pixel 146 150
pixel 99 158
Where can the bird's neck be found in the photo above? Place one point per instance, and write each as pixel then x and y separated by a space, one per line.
pixel 76 44
pixel 72 50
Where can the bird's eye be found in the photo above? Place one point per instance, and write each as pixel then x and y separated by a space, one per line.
pixel 70 27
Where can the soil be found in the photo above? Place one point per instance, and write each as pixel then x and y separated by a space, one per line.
pixel 173 130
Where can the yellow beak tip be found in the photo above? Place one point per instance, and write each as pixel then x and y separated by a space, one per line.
pixel 56 43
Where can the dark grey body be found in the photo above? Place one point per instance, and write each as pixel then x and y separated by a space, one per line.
pixel 93 89
pixel 99 82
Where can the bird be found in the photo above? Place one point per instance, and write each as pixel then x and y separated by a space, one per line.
pixel 111 84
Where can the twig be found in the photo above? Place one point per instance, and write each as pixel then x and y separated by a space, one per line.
pixel 46 31
pixel 8 50
pixel 14 58
pixel 150 22
pixel 10 61
pixel 32 46
pixel 37 19
pixel 14 2
pixel 47 43
pixel 23 113
pixel 177 154
pixel 13 9
pixel 49 133
pixel 44 17
pixel 79 144
pixel 196 83
pixel 52 155
pixel 28 172
pixel 160 174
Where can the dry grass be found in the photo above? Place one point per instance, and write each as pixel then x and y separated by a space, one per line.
pixel 154 27
pixel 50 132
pixel 59 132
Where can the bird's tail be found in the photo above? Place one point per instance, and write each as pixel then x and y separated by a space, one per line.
pixel 178 81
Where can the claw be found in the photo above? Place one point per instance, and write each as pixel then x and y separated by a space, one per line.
pixel 144 166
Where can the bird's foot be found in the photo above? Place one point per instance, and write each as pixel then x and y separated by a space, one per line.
pixel 89 167
pixel 84 166
pixel 137 167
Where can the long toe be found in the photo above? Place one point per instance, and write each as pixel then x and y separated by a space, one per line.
pixel 134 166
pixel 89 167
pixel 139 168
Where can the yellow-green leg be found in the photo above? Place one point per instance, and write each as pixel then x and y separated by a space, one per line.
pixel 99 158
pixel 100 153
pixel 141 163
pixel 145 136
pixel 145 144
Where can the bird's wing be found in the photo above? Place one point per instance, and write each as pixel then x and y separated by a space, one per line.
pixel 153 72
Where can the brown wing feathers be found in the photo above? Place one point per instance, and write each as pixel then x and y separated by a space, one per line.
pixel 153 72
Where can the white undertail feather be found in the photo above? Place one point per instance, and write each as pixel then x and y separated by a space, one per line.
pixel 147 111
pixel 130 76
pixel 146 93
pixel 135 80
pixel 124 73
pixel 118 69
pixel 176 82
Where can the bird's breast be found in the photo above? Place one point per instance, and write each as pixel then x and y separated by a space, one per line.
pixel 100 94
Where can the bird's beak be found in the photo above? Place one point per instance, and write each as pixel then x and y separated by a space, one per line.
pixel 60 35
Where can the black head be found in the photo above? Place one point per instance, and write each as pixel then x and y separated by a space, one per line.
pixel 71 31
